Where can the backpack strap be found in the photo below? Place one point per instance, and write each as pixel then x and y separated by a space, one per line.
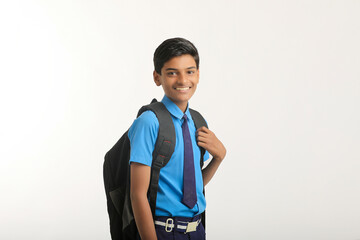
pixel 199 122
pixel 164 147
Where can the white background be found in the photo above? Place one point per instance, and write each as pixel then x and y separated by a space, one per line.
pixel 279 85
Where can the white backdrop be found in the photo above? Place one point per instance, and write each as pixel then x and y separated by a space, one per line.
pixel 279 85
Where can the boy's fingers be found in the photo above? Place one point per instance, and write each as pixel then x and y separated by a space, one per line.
pixel 201 139
pixel 203 128
pixel 202 144
pixel 202 134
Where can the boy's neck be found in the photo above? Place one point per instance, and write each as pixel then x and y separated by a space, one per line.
pixel 181 105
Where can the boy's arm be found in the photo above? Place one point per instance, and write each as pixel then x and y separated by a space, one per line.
pixel 214 146
pixel 140 179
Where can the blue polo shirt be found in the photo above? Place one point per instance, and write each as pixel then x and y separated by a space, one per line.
pixel 143 134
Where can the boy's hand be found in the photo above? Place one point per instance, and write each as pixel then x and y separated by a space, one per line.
pixel 211 143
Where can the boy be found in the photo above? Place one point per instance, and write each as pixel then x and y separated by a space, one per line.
pixel 180 198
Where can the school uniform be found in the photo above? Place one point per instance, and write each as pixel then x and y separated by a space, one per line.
pixel 142 135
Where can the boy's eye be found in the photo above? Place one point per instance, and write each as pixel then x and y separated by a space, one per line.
pixel 191 72
pixel 171 73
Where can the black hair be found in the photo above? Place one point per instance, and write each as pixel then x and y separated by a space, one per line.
pixel 174 47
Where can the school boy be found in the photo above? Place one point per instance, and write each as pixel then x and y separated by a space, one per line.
pixel 176 63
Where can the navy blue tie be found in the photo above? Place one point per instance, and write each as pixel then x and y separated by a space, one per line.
pixel 189 198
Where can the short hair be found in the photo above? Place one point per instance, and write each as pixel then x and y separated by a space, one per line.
pixel 174 47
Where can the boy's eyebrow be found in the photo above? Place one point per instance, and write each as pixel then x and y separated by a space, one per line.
pixel 175 69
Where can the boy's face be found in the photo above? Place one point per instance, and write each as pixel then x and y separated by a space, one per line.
pixel 179 78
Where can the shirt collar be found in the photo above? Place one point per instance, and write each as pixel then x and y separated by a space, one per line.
pixel 174 109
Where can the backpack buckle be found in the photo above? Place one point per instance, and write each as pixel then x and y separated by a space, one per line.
pixel 169 225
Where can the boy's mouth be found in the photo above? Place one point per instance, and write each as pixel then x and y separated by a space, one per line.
pixel 182 88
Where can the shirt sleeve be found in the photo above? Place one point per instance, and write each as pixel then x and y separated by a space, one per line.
pixel 142 135
pixel 206 155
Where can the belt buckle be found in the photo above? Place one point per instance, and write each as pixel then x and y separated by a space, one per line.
pixel 191 227
pixel 169 225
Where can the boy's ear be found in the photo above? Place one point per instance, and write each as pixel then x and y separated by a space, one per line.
pixel 156 78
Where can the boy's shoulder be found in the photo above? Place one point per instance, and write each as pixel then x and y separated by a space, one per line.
pixel 146 122
pixel 147 117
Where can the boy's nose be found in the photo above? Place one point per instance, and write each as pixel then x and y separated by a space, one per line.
pixel 181 78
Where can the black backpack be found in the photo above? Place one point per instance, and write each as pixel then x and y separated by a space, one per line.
pixel 117 171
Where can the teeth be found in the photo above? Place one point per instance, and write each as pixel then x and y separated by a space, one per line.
pixel 183 88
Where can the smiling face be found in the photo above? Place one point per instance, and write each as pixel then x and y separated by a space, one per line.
pixel 179 78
